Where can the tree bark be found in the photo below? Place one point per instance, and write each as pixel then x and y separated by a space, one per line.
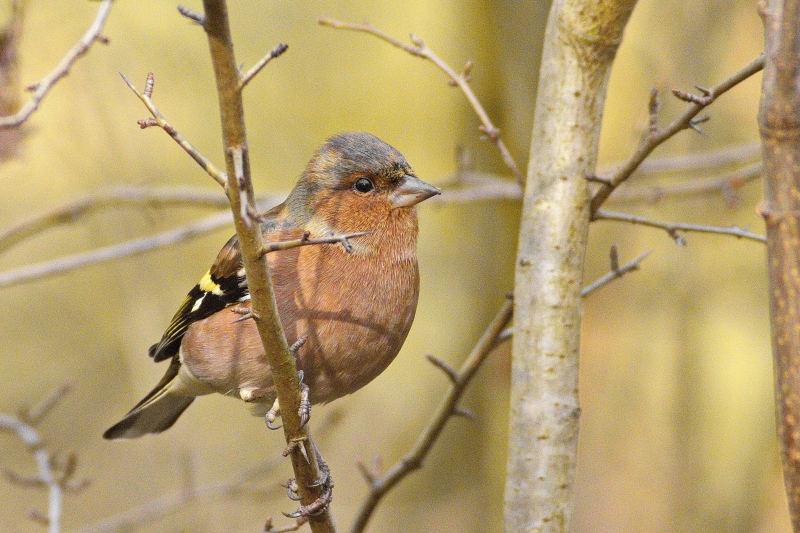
pixel 779 122
pixel 580 45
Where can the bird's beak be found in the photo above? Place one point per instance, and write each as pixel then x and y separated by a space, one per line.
pixel 411 191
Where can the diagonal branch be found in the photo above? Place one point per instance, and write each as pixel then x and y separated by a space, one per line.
pixel 41 89
pixel 657 136
pixel 419 49
pixel 159 120
pixel 379 486
pixel 272 54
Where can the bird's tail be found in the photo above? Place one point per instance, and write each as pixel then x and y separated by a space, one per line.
pixel 156 412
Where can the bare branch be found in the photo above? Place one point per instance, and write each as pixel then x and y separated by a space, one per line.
pixel 728 185
pixel 615 272
pixel 194 16
pixel 44 85
pixel 159 120
pixel 655 138
pixel 699 161
pixel 46 475
pixel 34 414
pixel 126 195
pixel 444 367
pixel 306 241
pixel 673 229
pixel 250 74
pixel 251 244
pixel 379 486
pixel 38 271
pixel 461 80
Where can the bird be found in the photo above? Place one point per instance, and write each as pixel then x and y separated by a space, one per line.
pixel 345 308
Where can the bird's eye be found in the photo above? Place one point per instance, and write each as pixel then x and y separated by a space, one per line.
pixel 363 185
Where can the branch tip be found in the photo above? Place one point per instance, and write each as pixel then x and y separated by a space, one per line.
pixel 449 371
pixel 194 16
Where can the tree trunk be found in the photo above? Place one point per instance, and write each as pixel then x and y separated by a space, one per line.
pixel 779 122
pixel 580 44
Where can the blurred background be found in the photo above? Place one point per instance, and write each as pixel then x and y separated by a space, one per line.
pixel 677 429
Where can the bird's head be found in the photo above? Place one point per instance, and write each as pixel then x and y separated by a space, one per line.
pixel 354 182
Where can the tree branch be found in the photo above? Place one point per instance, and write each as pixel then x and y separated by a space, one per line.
pixel 264 308
pixel 615 272
pixel 728 185
pixel 380 485
pixel 272 54
pixel 656 136
pixel 673 228
pixel 461 80
pixel 55 476
pixel 159 120
pixel 44 85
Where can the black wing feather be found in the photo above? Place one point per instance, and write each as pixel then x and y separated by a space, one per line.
pixel 220 287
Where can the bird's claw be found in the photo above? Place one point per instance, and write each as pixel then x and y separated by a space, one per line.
pixel 272 414
pixel 304 411
pixel 245 311
pixel 292 490
pixel 324 483
pixel 316 507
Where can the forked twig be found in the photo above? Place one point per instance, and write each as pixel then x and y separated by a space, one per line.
pixel 158 120
pixel 657 136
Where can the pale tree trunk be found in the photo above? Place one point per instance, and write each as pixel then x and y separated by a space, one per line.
pixel 779 122
pixel 580 44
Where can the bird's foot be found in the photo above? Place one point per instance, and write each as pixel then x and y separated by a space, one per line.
pixel 324 483
pixel 244 310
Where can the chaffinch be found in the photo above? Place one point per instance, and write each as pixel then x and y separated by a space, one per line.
pixel 352 307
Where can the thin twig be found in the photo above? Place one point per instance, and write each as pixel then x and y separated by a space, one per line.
pixel 448 408
pixel 461 80
pixel 272 54
pixel 44 85
pixel 32 415
pixel 306 241
pixel 615 272
pixel 655 138
pixel 673 229
pixel 699 161
pixel 47 476
pixel 158 120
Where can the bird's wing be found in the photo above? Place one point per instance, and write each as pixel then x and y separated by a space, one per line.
pixel 224 284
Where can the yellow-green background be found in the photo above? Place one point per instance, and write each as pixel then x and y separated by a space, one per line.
pixel 677 428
